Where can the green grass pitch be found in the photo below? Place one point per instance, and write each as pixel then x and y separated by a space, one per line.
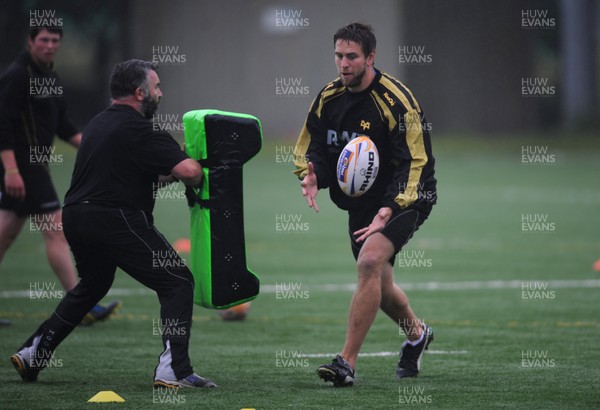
pixel 515 310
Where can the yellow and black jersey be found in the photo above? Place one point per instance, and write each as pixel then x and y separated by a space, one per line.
pixel 388 113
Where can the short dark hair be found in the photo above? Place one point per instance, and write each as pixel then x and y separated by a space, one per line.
pixel 34 31
pixel 128 76
pixel 360 33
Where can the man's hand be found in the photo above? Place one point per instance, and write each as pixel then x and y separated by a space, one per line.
pixel 13 181
pixel 309 187
pixel 164 180
pixel 75 140
pixel 188 171
pixel 382 218
pixel 13 184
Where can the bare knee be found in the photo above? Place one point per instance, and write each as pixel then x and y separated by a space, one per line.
pixel 369 266
pixel 53 234
pixel 10 227
pixel 7 239
pixel 57 237
pixel 373 258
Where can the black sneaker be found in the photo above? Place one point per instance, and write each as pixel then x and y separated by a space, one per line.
pixel 339 372
pixel 410 356
pixel 27 373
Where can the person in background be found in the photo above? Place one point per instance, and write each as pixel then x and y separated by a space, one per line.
pixel 32 112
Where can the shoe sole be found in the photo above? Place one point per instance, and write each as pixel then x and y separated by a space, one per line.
pixel 160 383
pixel 329 375
pixel 21 368
pixel 177 385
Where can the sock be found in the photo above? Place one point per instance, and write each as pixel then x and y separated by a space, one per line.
pixel 419 340
pixel 28 353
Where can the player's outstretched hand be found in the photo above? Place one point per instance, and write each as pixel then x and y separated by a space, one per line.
pixel 377 225
pixel 309 187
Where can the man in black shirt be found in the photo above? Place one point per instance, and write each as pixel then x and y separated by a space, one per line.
pixel 32 112
pixel 108 224
pixel 365 101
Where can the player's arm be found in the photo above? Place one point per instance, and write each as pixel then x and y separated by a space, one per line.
pixel 310 187
pixel 306 152
pixel 377 225
pixel 164 180
pixel 159 154
pixel 65 130
pixel 311 146
pixel 310 156
pixel 188 171
pixel 409 157
pixel 13 92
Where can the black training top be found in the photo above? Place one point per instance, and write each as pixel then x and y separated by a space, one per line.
pixel 387 113
pixel 120 159
pixel 32 110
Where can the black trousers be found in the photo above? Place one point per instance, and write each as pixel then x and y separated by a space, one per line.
pixel 103 239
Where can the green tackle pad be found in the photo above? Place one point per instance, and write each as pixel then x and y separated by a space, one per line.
pixel 222 142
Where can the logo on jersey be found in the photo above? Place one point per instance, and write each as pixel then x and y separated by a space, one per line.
pixel 365 125
pixel 336 139
pixel 389 99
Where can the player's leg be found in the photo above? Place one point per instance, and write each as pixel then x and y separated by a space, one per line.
pixel 399 230
pixel 145 254
pixel 96 270
pixel 59 258
pixel 57 248
pixel 10 226
pixel 365 300
pixel 395 304
pixel 371 263
pixel 34 354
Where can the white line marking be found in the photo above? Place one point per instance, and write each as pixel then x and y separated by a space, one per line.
pixel 384 354
pixel 19 294
pixel 467 285
pixel 350 287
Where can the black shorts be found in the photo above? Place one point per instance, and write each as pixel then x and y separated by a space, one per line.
pixel 399 229
pixel 40 195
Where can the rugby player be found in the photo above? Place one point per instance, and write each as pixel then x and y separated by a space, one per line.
pixel 365 101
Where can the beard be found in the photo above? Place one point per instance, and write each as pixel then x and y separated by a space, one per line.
pixel 356 80
pixel 149 107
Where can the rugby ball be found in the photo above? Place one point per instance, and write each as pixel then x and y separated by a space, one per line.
pixel 238 312
pixel 357 166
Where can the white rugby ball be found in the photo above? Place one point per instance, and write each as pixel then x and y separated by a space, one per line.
pixel 357 166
